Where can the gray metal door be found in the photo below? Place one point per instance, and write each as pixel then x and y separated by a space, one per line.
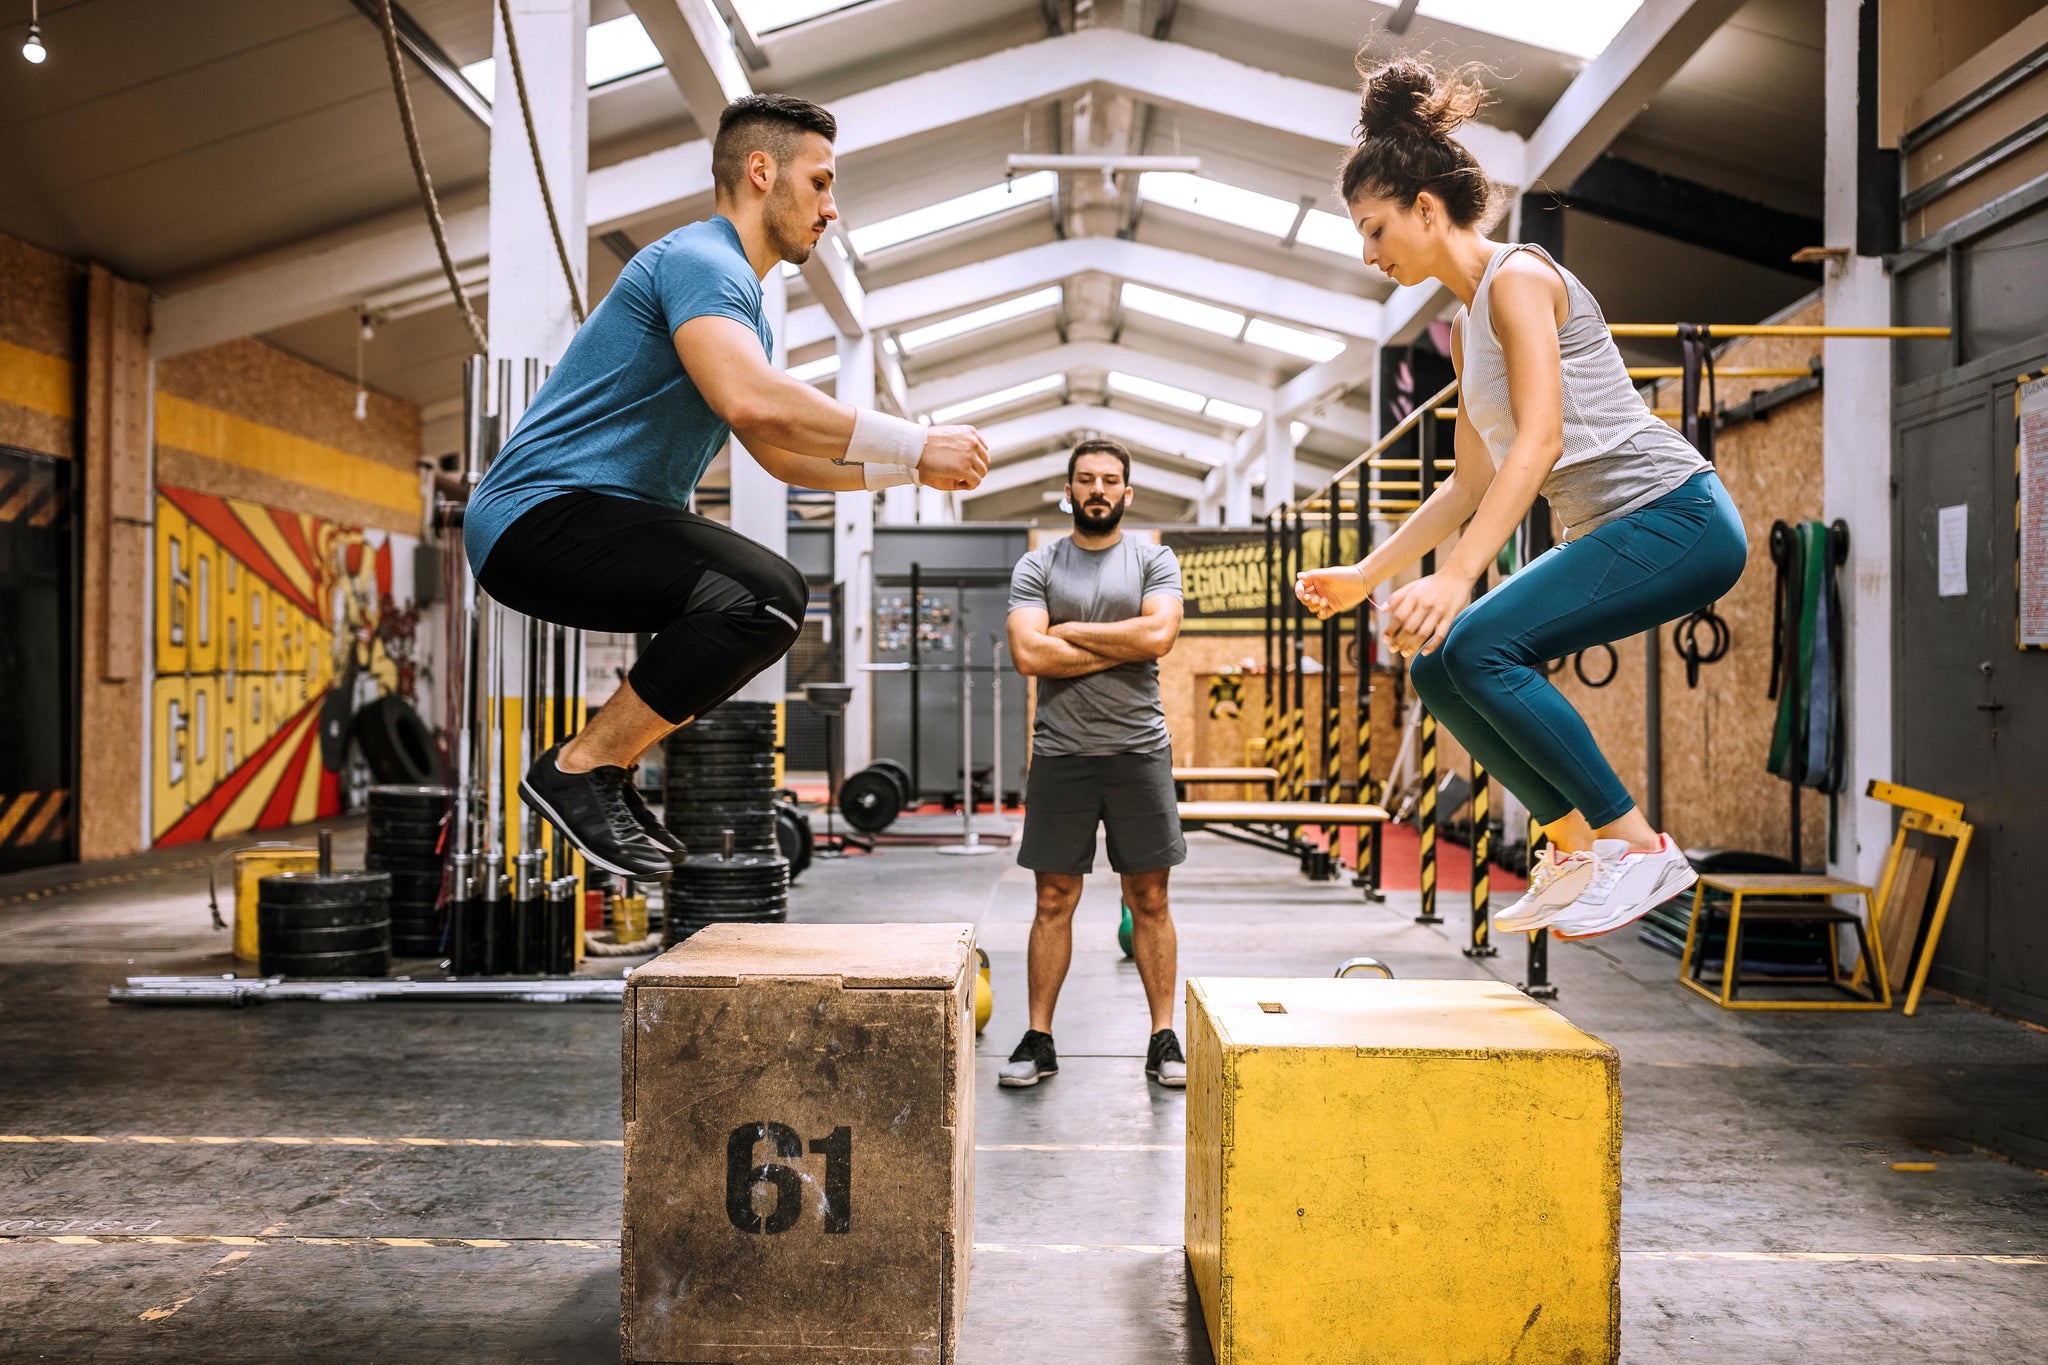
pixel 1968 704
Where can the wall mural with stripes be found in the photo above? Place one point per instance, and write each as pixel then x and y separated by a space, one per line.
pixel 266 620
pixel 37 701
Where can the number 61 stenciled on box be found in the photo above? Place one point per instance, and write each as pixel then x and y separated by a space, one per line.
pixel 799 1145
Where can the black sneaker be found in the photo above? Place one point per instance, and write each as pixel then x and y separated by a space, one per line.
pixel 593 813
pixel 649 821
pixel 1163 1062
pixel 1031 1063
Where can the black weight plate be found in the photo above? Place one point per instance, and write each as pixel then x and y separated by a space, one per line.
pixel 716 862
pixel 899 772
pixel 418 947
pixel 755 761
pixel 870 801
pixel 325 966
pixel 294 917
pixel 793 837
pixel 389 847
pixel 413 824
pixel 358 938
pixel 750 790
pixel 396 798
pixel 315 888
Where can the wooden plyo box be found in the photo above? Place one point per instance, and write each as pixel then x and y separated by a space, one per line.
pixel 799 1145
pixel 1400 1173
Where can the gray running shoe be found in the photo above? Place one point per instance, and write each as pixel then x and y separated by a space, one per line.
pixel 1163 1060
pixel 1032 1062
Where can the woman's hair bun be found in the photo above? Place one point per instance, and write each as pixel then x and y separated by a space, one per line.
pixel 1407 97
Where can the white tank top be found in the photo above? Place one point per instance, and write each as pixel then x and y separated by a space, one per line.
pixel 1618 455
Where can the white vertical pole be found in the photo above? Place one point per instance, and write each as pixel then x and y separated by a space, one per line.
pixel 853 553
pixel 1856 416
pixel 530 312
pixel 1279 443
pixel 760 501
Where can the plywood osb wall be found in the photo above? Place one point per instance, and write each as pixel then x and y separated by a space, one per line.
pixel 38 335
pixel 1716 737
pixel 246 420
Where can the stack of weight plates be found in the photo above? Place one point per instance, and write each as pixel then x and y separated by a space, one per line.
pixel 743 888
pixel 333 924
pixel 407 841
pixel 720 775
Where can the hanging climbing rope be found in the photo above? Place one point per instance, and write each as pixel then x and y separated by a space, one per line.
pixel 425 181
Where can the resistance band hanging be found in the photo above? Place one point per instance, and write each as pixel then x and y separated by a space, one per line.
pixel 1807 742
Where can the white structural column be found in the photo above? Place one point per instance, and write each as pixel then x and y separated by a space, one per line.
pixel 530 312
pixel 1279 448
pixel 760 501
pixel 1856 416
pixel 1237 497
pixel 853 560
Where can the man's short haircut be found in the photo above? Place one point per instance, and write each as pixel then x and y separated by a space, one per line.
pixel 1099 445
pixel 764 123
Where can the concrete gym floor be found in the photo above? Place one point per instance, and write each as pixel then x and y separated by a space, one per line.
pixel 1762 1219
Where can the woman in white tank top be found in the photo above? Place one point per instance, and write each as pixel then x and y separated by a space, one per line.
pixel 1546 407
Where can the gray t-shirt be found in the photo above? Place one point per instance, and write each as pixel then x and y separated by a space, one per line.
pixel 1116 711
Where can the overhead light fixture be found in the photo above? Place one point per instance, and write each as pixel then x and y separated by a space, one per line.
pixel 33 50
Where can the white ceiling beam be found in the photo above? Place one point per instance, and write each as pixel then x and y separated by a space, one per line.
pixel 1055 424
pixel 1601 102
pixel 1053 465
pixel 697 49
pixel 944 390
pixel 335 271
pixel 1230 286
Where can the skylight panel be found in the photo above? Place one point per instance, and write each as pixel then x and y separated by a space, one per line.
pixel 1213 199
pixel 1174 308
pixel 1035 301
pixel 965 208
pixel 1237 414
pixel 1297 430
pixel 1581 28
pixel 1292 340
pixel 1000 398
pixel 765 16
pixel 813 370
pixel 1261 213
pixel 612 50
pixel 1152 391
pixel 1330 232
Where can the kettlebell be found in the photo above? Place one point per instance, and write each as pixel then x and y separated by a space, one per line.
pixel 984 998
pixel 1123 930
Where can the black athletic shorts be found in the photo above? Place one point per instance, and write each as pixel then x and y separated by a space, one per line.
pixel 1130 795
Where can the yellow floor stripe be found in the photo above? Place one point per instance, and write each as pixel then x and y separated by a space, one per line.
pixel 1054 1248
pixel 281 1140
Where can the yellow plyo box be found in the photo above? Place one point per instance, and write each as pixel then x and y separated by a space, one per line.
pixel 1421 1172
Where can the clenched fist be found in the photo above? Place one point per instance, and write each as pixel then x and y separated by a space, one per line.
pixel 955 459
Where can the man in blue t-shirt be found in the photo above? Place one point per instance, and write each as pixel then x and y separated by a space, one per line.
pixel 583 519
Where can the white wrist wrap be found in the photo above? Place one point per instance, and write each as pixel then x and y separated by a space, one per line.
pixel 879 438
pixel 877 476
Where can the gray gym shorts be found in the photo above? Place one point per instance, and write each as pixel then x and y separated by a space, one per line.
pixel 1130 795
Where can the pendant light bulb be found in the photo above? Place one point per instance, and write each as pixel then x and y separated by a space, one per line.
pixel 33 49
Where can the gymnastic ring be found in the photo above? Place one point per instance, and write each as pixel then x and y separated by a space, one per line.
pixel 1613 666
pixel 1553 667
pixel 1685 639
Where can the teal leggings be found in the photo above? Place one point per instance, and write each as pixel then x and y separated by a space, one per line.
pixel 1486 682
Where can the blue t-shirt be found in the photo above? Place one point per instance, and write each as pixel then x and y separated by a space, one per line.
pixel 619 414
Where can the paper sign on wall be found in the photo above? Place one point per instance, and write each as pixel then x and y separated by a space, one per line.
pixel 2031 522
pixel 1954 573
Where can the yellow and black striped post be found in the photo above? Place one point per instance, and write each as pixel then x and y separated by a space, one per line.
pixel 1369 844
pixel 1538 986
pixel 1272 587
pixel 1426 813
pixel 1482 882
pixel 1482 843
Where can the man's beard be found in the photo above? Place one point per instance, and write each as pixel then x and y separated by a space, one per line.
pixel 1098 523
pixel 792 240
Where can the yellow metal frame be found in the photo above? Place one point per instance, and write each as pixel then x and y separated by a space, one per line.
pixel 1792 884
pixel 1923 813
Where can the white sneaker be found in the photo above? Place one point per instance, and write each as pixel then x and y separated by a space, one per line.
pixel 1554 883
pixel 1625 887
